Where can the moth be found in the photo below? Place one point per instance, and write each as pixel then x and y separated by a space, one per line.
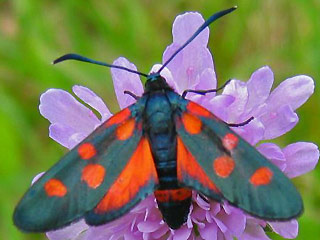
pixel 165 145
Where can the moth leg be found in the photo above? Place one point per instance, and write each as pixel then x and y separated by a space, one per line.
pixel 204 92
pixel 131 94
pixel 241 124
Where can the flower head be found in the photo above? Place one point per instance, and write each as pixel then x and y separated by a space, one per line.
pixel 273 112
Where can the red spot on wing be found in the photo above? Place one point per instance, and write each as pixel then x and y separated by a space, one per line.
pixel 125 130
pixel 86 151
pixel 55 187
pixel 186 164
pixel 223 166
pixel 93 175
pixel 191 123
pixel 139 171
pixel 230 141
pixel 198 110
pixel 119 117
pixel 262 176
pixel 175 195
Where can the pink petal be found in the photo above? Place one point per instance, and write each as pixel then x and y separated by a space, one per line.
pixel 93 100
pixel 112 230
pixel 225 236
pixel 185 25
pixel 130 236
pixel 193 236
pixel 209 217
pixel 59 106
pixel 202 203
pixel 160 232
pixel 70 232
pixel 254 232
pixel 199 224
pixel 147 203
pixel 198 214
pixel 145 236
pixel 293 91
pixel 255 221
pixel 222 227
pixel 235 222
pixel 189 219
pixel 228 208
pixel 209 232
pixel 148 226
pixel 252 132
pixel 301 157
pixel 207 80
pixel 274 153
pixel 215 208
pixel 278 122
pixel 37 177
pixel 219 106
pixel 123 80
pixel 259 86
pixel 182 233
pixel 286 229
pixel 65 135
pixel 239 91
pixel 187 66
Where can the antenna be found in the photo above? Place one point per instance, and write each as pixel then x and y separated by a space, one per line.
pixel 200 29
pixel 77 57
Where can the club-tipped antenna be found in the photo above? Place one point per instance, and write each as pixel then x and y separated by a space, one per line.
pixel 200 29
pixel 77 57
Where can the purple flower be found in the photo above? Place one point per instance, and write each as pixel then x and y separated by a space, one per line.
pixel 274 115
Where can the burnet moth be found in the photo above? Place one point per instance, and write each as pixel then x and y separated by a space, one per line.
pixel 165 145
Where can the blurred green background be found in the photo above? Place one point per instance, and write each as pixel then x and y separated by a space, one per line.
pixel 284 34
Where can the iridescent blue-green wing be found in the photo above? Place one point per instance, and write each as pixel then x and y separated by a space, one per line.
pixel 238 172
pixel 100 179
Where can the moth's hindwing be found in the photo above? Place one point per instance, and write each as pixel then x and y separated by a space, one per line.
pixel 94 172
pixel 135 182
pixel 239 173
